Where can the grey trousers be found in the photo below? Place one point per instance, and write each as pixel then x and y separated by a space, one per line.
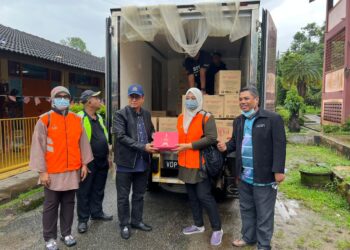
pixel 257 206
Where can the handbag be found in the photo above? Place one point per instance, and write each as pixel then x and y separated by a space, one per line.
pixel 214 160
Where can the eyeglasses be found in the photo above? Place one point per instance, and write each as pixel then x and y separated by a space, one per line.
pixel 67 97
pixel 135 97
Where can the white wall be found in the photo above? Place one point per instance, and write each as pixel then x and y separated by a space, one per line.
pixel 244 61
pixel 136 67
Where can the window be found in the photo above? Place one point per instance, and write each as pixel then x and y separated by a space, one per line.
pixel 335 52
pixel 36 72
pixel 55 75
pixel 14 68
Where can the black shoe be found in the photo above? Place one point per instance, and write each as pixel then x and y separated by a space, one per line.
pixel 142 226
pixel 103 217
pixel 125 233
pixel 82 227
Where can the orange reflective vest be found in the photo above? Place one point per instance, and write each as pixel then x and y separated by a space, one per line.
pixel 190 158
pixel 63 142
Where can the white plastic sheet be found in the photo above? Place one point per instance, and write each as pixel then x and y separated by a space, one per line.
pixel 184 35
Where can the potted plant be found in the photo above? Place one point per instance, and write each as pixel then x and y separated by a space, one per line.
pixel 294 103
pixel 316 175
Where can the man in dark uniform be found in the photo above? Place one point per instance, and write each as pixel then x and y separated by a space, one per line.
pixel 91 191
pixel 214 68
pixel 196 68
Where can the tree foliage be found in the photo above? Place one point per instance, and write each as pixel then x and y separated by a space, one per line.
pixel 301 70
pixel 302 64
pixel 75 43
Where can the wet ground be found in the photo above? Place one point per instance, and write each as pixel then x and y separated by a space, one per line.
pixel 295 227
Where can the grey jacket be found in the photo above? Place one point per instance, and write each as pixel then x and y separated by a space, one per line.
pixel 124 129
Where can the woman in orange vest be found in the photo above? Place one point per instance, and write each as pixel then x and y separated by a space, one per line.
pixel 192 139
pixel 60 152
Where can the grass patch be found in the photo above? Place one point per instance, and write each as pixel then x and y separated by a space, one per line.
pixel 298 154
pixel 313 169
pixel 22 197
pixel 343 245
pixel 330 205
pixel 327 202
pixel 311 110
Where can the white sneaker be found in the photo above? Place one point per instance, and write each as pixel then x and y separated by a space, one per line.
pixel 51 244
pixel 193 230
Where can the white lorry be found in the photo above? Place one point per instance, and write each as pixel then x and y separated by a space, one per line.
pixel 139 50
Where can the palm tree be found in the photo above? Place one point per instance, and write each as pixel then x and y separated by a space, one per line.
pixel 301 70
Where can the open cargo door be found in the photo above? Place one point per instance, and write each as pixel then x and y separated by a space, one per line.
pixel 268 57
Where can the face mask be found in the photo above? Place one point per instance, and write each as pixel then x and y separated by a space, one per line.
pixel 248 114
pixel 61 103
pixel 191 104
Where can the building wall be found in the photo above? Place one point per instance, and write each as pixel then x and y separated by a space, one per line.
pixel 34 86
pixel 136 67
pixel 336 80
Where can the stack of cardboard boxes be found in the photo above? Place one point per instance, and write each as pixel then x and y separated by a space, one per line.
pixel 224 105
pixel 227 87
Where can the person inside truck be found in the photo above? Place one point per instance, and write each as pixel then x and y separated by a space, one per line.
pixel 215 66
pixel 196 68
pixel 192 139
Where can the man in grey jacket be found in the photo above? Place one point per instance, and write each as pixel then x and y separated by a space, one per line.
pixel 132 129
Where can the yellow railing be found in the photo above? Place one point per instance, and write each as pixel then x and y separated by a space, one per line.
pixel 15 140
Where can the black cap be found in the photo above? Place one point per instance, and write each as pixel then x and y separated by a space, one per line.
pixel 87 94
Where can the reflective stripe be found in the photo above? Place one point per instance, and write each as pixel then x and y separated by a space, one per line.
pixel 87 124
pixel 49 148
pixel 49 140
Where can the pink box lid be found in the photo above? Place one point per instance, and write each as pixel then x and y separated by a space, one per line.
pixel 165 140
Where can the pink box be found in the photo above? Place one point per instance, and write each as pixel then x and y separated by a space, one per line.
pixel 165 141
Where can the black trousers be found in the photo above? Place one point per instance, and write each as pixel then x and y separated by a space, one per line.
pixel 53 200
pixel 124 181
pixel 257 206
pixel 91 191
pixel 200 197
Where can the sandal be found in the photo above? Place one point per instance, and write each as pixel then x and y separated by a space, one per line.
pixel 239 243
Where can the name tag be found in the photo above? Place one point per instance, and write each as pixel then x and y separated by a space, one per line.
pixel 260 126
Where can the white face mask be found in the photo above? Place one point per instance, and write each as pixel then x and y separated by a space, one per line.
pixel 61 103
pixel 249 113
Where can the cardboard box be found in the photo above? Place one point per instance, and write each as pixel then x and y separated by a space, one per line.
pixel 158 113
pixel 211 103
pixel 231 106
pixel 214 104
pixel 167 124
pixel 227 82
pixel 155 123
pixel 224 129
pixel 166 141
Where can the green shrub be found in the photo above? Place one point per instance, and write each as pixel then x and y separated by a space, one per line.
pixel 346 126
pixel 76 107
pixel 294 103
pixel 284 113
pixel 330 129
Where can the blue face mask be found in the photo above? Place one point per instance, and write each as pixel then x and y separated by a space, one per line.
pixel 191 104
pixel 249 114
pixel 61 103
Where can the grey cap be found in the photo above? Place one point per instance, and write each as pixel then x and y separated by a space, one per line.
pixel 87 94
pixel 59 89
